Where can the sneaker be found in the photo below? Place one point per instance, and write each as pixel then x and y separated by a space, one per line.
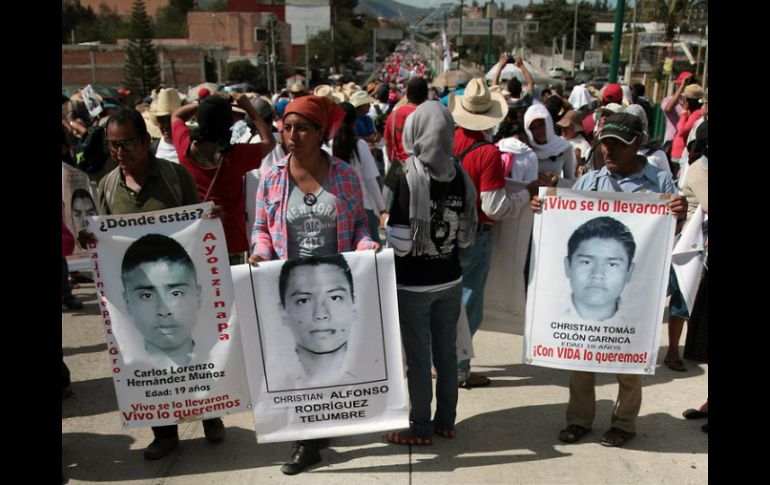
pixel 214 430
pixel 161 447
pixel 474 380
pixel 305 455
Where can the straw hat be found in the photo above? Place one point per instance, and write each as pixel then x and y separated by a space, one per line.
pixel 326 91
pixel 167 102
pixel 297 88
pixel 152 127
pixel 323 90
pixel 477 108
pixel 360 98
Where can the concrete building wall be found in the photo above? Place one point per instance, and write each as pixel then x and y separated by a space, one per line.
pixel 235 30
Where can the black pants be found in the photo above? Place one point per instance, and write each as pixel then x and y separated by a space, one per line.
pixel 66 291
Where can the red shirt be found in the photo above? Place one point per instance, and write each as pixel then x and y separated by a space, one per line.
pixel 484 165
pixel 228 188
pixel 393 140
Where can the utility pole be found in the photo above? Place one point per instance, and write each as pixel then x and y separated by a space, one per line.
pixel 459 37
pixel 632 54
pixel 307 55
pixel 618 36
pixel 374 49
pixel 272 55
pixel 574 37
pixel 706 61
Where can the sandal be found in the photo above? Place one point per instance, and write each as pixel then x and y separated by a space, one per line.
pixel 616 437
pixel 444 432
pixel 406 438
pixel 474 380
pixel 572 433
pixel 676 365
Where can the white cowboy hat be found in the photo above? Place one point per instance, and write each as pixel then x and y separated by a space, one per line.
pixel 167 102
pixel 360 98
pixel 477 109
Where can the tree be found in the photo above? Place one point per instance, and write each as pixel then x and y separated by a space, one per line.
pixel 82 24
pixel 676 14
pixel 171 20
pixel 142 73
pixel 243 71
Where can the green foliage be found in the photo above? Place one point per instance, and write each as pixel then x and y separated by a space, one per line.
pixel 243 71
pixel 142 72
pixel 557 18
pixel 218 6
pixel 106 26
pixel 171 20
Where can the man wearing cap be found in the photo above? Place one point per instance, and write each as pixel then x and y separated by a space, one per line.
pixel 364 128
pixel 624 171
pixel 690 102
pixel 612 93
pixel 476 113
pixel 160 115
pixel 595 160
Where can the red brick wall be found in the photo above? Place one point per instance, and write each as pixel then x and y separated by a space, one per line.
pixel 109 62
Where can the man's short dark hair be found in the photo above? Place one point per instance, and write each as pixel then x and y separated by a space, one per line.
pixel 81 193
pixel 514 87
pixel 417 90
pixel 637 89
pixel 382 93
pixel 332 259
pixel 125 115
pixel 602 228
pixel 154 247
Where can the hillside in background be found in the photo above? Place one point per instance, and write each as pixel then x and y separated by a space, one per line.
pixel 391 10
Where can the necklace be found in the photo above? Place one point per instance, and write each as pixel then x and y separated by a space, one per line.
pixel 310 200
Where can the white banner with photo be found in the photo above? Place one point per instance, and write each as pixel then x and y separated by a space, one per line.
pixel 599 273
pixel 79 203
pixel 166 295
pixel 322 345
pixel 504 295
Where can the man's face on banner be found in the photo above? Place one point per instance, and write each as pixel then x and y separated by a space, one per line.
pixel 598 272
pixel 163 298
pixel 319 307
pixel 82 207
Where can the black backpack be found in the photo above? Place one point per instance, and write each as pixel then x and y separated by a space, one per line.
pixel 91 152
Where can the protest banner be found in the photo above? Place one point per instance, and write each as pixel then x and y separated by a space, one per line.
pixel 689 256
pixel 322 345
pixel 79 203
pixel 504 296
pixel 599 272
pixel 166 298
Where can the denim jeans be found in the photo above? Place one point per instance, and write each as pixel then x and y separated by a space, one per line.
pixel 475 261
pixel 429 327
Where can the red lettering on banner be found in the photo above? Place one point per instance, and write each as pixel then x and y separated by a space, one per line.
pixel 216 282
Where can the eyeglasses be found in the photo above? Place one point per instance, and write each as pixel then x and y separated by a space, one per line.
pixel 128 145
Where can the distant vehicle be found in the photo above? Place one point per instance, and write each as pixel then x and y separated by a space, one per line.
pixel 557 72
